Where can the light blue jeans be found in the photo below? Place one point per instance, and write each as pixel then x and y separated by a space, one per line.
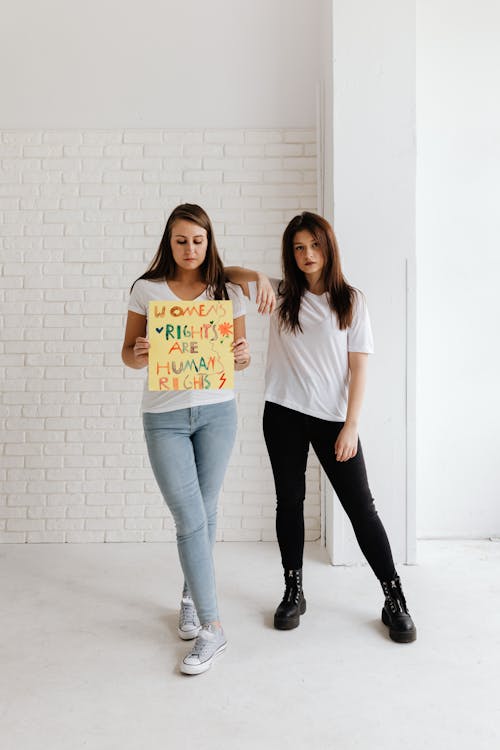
pixel 189 450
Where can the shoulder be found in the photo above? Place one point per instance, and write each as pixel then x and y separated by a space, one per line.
pixel 145 291
pixel 137 292
pixel 235 293
pixel 151 288
pixel 358 301
pixel 360 324
pixel 139 286
pixel 359 296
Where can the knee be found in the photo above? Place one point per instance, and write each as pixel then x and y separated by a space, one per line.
pixel 212 517
pixel 190 529
pixel 291 502
pixel 364 513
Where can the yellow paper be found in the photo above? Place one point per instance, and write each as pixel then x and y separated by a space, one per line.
pixel 190 345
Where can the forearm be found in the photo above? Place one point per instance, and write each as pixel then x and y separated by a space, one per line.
pixel 135 345
pixel 265 297
pixel 357 385
pixel 240 275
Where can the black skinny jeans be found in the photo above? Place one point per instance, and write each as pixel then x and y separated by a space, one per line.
pixel 288 434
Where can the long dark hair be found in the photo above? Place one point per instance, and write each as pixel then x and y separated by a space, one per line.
pixel 163 264
pixel 340 294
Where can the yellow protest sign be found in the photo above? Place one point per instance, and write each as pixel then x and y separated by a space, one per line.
pixel 190 345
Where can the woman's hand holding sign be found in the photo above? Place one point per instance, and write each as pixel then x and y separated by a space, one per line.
pixel 140 350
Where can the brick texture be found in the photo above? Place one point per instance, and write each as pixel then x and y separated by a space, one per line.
pixel 81 217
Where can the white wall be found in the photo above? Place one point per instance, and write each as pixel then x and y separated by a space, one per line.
pixel 458 230
pixel 374 219
pixel 82 213
pixel 159 63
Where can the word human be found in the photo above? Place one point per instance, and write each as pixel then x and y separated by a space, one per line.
pixel 178 367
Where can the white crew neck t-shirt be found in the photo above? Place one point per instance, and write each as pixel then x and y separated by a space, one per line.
pixel 145 291
pixel 309 371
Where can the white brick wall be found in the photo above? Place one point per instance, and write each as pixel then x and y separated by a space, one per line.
pixel 81 216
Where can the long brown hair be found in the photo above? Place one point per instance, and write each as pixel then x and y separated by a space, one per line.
pixel 163 264
pixel 340 294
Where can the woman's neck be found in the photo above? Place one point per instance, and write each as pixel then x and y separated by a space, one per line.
pixel 315 285
pixel 188 277
pixel 187 284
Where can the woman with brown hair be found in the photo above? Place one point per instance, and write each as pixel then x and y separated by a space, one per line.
pixel 189 433
pixel 319 341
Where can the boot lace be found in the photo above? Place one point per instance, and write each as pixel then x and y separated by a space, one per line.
pixel 293 588
pixel 394 596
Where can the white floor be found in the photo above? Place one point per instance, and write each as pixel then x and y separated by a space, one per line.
pixel 89 653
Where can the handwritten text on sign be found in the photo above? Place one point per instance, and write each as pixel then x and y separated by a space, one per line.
pixel 190 345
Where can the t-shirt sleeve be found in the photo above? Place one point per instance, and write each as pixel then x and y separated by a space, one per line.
pixel 238 299
pixel 138 302
pixel 252 288
pixel 359 334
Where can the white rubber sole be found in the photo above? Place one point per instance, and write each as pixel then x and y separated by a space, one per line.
pixel 200 668
pixel 188 635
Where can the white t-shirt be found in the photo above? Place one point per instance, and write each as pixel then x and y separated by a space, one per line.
pixel 309 371
pixel 145 291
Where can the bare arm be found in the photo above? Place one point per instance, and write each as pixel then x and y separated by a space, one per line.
pixel 240 345
pixel 266 298
pixel 346 445
pixel 135 345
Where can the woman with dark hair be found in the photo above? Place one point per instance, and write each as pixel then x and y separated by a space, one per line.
pixel 189 433
pixel 319 341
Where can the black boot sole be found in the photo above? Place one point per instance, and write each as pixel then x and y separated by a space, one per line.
pixel 289 623
pixel 399 636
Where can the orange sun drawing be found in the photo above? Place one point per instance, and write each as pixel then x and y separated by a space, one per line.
pixel 225 329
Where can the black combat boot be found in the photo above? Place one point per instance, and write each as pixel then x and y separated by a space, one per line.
pixel 293 604
pixel 395 613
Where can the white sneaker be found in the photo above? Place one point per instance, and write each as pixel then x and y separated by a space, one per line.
pixel 189 624
pixel 210 642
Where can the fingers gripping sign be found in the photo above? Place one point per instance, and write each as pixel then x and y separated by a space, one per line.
pixel 141 350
